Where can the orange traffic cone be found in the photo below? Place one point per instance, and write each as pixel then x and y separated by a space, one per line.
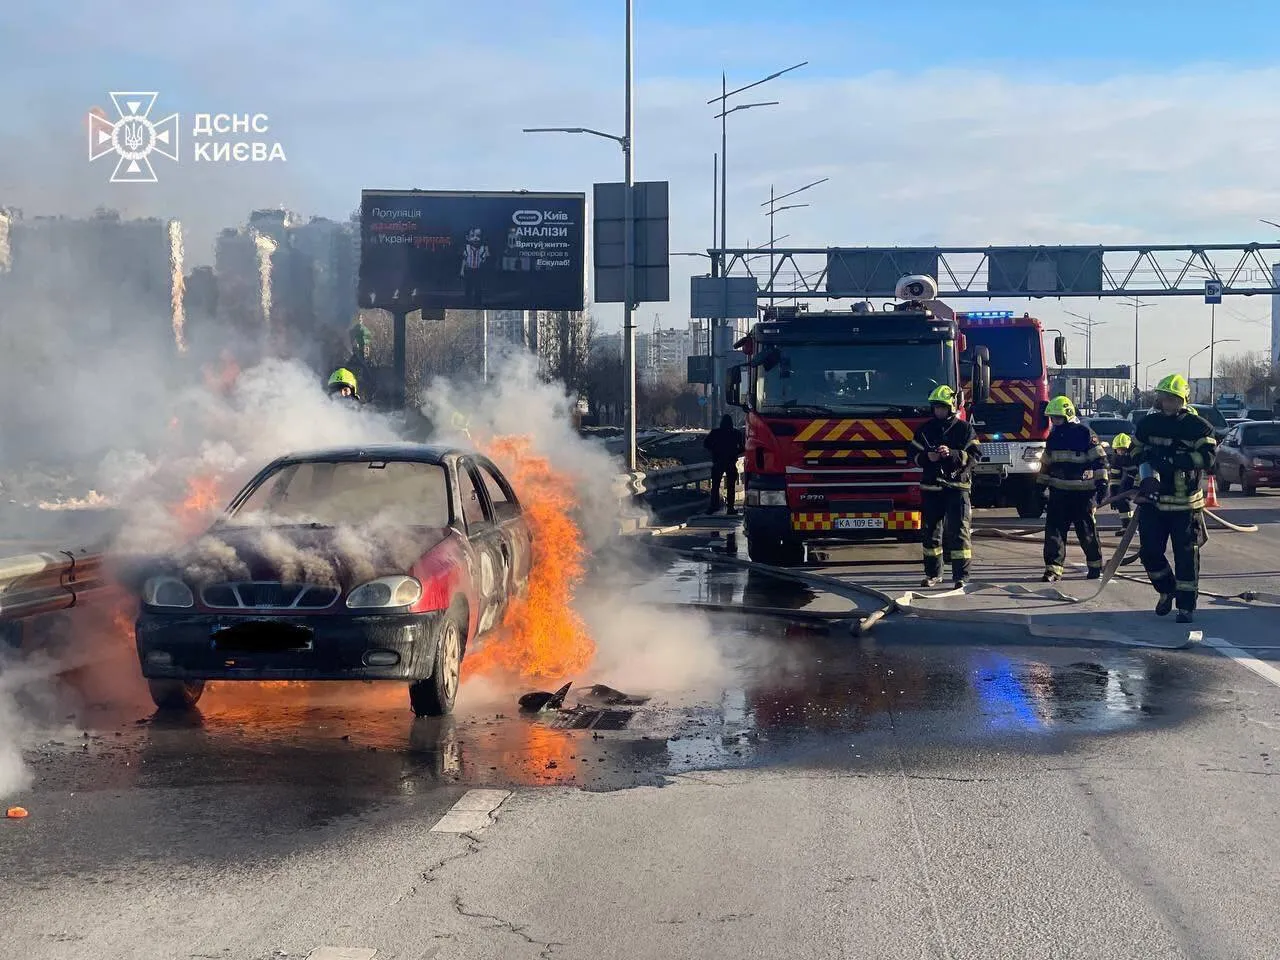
pixel 1211 495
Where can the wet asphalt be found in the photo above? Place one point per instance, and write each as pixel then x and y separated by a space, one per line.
pixel 934 789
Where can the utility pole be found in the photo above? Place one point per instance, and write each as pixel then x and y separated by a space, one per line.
pixel 628 260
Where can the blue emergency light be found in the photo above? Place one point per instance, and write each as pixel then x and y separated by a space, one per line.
pixel 981 316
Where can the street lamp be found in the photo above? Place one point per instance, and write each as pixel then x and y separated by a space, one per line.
pixel 723 117
pixel 627 142
pixel 1208 346
pixel 771 203
pixel 1087 328
pixel 1146 373
pixel 1137 305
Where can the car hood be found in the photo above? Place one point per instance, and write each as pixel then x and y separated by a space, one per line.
pixel 342 557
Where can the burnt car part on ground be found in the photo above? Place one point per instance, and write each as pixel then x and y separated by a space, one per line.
pixel 362 563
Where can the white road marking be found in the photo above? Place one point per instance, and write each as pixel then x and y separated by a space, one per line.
pixel 1242 657
pixel 472 812
pixel 341 953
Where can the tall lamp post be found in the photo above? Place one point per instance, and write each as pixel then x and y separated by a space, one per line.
pixel 1146 373
pixel 1137 305
pixel 1209 346
pixel 771 203
pixel 723 116
pixel 1086 327
pixel 627 142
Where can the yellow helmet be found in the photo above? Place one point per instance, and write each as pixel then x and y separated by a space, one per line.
pixel 342 377
pixel 1121 441
pixel 943 395
pixel 1060 407
pixel 1175 384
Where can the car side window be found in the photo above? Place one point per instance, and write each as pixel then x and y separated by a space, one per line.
pixel 505 506
pixel 474 510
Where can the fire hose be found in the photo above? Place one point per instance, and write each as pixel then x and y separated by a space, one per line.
pixel 886 604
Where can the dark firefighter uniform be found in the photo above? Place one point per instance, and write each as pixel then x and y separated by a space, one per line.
pixel 1074 469
pixel 1123 476
pixel 946 511
pixel 1173 452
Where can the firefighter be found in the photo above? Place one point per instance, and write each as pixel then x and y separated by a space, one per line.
pixel 1123 476
pixel 725 444
pixel 1074 469
pixel 946 448
pixel 1173 450
pixel 343 385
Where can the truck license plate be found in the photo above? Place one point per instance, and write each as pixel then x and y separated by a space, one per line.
pixel 859 523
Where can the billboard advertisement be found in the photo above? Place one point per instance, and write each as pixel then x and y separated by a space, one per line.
pixel 444 250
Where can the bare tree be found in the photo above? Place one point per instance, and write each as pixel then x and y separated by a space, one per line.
pixel 1243 373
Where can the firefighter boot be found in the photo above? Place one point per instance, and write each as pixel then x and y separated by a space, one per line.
pixel 930 581
pixel 1184 616
pixel 1164 604
pixel 1095 573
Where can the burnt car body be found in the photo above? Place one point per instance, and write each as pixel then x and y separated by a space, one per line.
pixel 1249 456
pixel 381 562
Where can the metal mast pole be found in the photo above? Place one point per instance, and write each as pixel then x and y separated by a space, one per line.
pixel 717 395
pixel 1212 338
pixel 628 265
pixel 772 211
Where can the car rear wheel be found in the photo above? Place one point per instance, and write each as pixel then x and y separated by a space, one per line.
pixel 435 696
pixel 175 694
pixel 1224 485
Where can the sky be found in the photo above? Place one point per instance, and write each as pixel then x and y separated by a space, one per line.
pixel 937 123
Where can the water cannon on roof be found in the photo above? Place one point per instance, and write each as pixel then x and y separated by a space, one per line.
pixel 916 287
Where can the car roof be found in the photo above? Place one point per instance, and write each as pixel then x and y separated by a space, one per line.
pixel 421 452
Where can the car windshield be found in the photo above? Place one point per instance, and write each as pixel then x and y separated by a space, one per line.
pixel 842 378
pixel 350 493
pixel 1108 427
pixel 1261 435
pixel 1212 414
pixel 1016 352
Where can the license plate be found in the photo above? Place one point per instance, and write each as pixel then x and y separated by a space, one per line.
pixel 859 523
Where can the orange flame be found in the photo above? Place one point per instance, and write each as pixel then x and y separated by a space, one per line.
pixel 224 377
pixel 204 498
pixel 542 637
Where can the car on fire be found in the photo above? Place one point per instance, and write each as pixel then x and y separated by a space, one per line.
pixel 359 563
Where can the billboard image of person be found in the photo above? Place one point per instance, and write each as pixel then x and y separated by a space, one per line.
pixel 478 251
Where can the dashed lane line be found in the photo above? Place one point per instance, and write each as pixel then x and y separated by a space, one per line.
pixel 472 813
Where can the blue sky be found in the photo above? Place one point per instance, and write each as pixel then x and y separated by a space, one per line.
pixel 951 123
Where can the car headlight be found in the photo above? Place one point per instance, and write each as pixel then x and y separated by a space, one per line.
pixel 167 592
pixel 385 592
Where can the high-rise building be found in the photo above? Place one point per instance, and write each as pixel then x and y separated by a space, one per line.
pixel 116 280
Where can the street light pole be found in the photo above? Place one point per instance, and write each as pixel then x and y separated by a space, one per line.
pixel 774 209
pixel 628 240
pixel 1137 305
pixel 1146 374
pixel 1213 322
pixel 723 117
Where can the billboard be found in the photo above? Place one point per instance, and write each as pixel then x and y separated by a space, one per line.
pixel 446 250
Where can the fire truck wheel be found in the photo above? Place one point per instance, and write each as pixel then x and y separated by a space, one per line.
pixel 1031 503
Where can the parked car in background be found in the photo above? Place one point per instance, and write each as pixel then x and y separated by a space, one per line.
pixel 1250 456
pixel 1259 413
pixel 1108 428
pixel 1215 418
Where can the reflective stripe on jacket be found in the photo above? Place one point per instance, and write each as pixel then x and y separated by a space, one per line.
pixel 956 471
pixel 1074 459
pixel 1180 448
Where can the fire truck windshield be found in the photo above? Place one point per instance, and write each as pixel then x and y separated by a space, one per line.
pixel 1016 352
pixel 854 378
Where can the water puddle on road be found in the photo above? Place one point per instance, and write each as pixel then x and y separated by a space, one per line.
pixel 786 698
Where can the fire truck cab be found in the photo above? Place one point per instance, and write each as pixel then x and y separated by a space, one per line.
pixel 832 401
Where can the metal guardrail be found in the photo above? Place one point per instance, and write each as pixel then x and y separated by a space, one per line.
pixel 628 486
pixel 39 583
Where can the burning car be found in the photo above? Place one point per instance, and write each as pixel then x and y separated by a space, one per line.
pixel 361 563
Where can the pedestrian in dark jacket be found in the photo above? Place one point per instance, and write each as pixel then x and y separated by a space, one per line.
pixel 726 445
pixel 945 449
pixel 1074 469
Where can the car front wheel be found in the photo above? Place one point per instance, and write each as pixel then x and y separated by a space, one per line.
pixel 435 696
pixel 175 694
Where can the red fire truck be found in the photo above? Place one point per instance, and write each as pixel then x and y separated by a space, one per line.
pixel 1011 423
pixel 833 400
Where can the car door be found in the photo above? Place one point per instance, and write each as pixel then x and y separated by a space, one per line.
pixel 1228 458
pixel 516 535
pixel 489 573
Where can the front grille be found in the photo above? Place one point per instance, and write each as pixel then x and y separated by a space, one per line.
pixel 989 418
pixel 268 595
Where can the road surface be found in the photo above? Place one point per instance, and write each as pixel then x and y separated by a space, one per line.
pixel 938 789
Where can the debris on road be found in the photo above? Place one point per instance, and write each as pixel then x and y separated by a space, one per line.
pixel 610 697
pixel 16 813
pixel 540 700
